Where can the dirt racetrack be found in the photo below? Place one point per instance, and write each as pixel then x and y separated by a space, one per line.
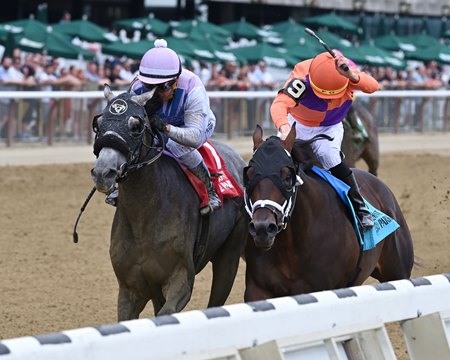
pixel 49 284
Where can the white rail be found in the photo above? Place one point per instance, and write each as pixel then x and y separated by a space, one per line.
pixel 340 324
pixel 216 94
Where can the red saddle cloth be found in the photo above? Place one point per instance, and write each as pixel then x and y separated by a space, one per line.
pixel 226 186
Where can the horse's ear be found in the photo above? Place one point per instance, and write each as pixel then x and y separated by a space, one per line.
pixel 108 93
pixel 143 98
pixel 257 137
pixel 290 139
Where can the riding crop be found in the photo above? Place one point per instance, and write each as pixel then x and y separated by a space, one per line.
pixel 333 54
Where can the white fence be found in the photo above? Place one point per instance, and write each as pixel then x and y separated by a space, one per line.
pixel 237 112
pixel 341 324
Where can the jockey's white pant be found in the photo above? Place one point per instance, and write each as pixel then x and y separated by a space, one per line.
pixel 328 153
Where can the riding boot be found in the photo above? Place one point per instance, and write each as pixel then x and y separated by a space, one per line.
pixel 201 171
pixel 113 198
pixel 362 212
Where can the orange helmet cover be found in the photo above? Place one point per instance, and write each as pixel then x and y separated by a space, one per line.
pixel 325 80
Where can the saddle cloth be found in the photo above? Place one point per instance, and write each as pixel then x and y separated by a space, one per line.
pixel 226 186
pixel 384 225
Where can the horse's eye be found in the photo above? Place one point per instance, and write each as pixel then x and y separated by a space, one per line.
pixel 135 125
pixel 248 174
pixel 96 123
pixel 286 176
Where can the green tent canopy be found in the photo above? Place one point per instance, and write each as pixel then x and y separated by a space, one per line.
pixel 367 54
pixel 83 29
pixel 422 40
pixel 333 41
pixel 331 21
pixel 146 24
pixel 261 51
pixel 243 29
pixel 33 36
pixel 132 50
pixel 394 43
pixel 210 45
pixel 435 52
pixel 286 27
pixel 186 27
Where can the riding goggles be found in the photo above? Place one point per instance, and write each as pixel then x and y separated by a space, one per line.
pixel 161 87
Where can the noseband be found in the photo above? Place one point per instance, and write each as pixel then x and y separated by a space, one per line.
pixel 267 162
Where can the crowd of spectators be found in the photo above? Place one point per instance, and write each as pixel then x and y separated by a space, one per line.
pixel 24 71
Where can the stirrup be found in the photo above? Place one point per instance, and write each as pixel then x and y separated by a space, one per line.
pixel 365 225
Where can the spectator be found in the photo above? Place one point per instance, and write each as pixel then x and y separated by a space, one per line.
pixel 204 73
pixel 115 80
pixel 47 81
pixel 29 119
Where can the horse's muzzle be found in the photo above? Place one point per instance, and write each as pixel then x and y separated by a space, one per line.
pixel 263 233
pixel 104 179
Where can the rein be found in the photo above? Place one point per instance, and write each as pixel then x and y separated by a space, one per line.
pixel 131 166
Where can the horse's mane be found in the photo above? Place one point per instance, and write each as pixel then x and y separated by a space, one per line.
pixel 303 155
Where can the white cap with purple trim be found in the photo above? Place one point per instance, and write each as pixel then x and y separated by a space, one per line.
pixel 159 64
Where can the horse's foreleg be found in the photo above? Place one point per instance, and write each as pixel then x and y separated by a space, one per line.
pixel 129 305
pixel 224 269
pixel 372 158
pixel 178 290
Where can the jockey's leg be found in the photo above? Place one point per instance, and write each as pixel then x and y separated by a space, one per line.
pixel 192 159
pixel 344 173
pixel 201 171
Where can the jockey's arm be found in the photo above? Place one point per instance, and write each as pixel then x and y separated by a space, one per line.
pixel 195 120
pixel 279 110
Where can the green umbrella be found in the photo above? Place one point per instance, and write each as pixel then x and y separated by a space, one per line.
pixel 334 41
pixel 243 29
pixel 367 54
pixel 131 50
pixel 83 29
pixel 261 51
pixel 30 31
pixel 210 45
pixel 187 48
pixel 331 21
pixel 421 40
pixel 435 52
pixel 286 27
pixel 146 24
pixel 300 46
pixel 186 27
pixel 33 36
pixel 58 45
pixel 394 43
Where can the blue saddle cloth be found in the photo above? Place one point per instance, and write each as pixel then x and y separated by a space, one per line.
pixel 384 225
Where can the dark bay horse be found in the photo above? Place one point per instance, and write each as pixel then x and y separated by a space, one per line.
pixel 303 237
pixel 368 149
pixel 157 225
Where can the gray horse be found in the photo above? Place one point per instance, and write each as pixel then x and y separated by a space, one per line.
pixel 159 240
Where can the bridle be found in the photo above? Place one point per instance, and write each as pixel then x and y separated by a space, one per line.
pixel 269 167
pixel 114 132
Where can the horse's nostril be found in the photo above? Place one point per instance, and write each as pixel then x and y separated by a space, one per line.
pixel 251 228
pixel 272 229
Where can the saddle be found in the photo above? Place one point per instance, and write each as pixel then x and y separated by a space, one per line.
pixel 226 186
